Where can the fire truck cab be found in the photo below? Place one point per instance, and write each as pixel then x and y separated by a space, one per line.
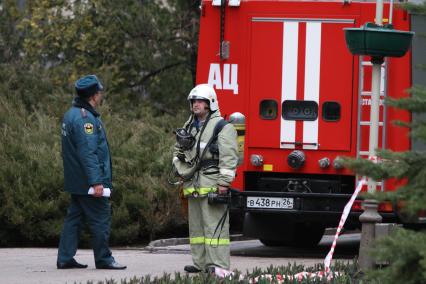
pixel 284 65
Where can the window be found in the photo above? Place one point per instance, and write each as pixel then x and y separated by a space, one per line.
pixel 331 111
pixel 268 109
pixel 300 110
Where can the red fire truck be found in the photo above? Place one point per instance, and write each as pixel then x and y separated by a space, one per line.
pixel 284 65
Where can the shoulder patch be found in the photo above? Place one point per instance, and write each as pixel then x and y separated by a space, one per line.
pixel 88 128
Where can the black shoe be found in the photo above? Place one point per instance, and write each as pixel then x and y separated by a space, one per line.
pixel 191 269
pixel 210 270
pixel 112 265
pixel 70 264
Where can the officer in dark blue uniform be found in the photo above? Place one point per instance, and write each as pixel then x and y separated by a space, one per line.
pixel 87 165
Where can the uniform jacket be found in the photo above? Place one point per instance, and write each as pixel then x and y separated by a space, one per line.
pixel 85 149
pixel 208 177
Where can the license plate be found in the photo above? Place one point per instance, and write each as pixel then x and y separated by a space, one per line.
pixel 270 202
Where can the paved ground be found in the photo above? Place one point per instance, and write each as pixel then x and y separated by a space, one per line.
pixel 37 265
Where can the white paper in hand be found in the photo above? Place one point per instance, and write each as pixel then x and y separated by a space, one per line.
pixel 106 193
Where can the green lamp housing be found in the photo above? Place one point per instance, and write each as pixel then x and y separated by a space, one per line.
pixel 378 41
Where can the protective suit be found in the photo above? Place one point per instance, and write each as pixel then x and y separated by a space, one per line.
pixel 205 165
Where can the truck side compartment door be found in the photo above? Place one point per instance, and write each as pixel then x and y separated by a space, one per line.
pixel 301 84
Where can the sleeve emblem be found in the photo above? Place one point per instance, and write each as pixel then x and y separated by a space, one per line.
pixel 88 128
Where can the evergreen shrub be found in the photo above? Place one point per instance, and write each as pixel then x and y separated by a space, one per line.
pixel 145 58
pixel 33 203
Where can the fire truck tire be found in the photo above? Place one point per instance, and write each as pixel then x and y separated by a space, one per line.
pixel 303 236
pixel 274 243
pixel 308 235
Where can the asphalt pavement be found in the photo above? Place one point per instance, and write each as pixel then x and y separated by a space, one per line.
pixel 38 265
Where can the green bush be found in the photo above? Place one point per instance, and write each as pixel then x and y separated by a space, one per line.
pixel 144 54
pixel 31 174
pixel 405 251
pixel 143 199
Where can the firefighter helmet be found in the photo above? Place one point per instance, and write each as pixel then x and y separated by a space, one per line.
pixel 204 92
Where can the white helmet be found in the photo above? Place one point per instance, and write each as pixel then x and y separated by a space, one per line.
pixel 204 92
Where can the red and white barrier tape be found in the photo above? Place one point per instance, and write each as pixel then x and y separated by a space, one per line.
pixel 223 273
pixel 298 276
pixel 327 261
pixel 345 214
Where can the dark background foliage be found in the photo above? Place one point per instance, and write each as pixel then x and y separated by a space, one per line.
pixel 145 54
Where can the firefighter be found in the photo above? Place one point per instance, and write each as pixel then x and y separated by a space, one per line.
pixel 87 165
pixel 206 163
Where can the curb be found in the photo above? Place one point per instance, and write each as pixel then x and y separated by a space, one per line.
pixel 169 245
pixel 162 244
pixel 168 242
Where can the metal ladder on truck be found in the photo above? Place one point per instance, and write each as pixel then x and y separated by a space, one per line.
pixel 364 101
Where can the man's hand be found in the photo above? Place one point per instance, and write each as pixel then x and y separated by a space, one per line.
pixel 222 189
pixel 99 190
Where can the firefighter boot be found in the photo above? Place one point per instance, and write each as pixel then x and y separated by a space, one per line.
pixel 191 269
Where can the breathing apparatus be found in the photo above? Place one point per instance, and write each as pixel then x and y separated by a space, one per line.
pixel 184 139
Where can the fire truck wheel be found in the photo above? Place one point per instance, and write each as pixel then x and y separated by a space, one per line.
pixel 308 235
pixel 274 243
pixel 304 235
